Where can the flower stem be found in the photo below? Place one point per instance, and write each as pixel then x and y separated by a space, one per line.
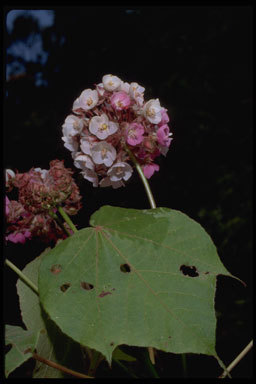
pixel 67 219
pixel 21 275
pixel 143 178
pixel 58 220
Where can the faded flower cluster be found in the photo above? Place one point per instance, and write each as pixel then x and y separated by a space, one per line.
pixel 40 192
pixel 107 120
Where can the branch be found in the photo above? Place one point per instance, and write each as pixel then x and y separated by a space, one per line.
pixel 237 359
pixel 60 367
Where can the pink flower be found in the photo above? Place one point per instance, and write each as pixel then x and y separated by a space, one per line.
pixel 134 133
pixel 165 117
pixel 163 135
pixel 149 169
pixel 19 237
pixel 120 100
pixel 7 202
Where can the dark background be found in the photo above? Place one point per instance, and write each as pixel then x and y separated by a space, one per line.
pixel 198 61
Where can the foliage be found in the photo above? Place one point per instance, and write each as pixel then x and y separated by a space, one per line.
pixel 202 60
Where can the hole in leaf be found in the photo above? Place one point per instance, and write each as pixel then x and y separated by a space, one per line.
pixel 189 271
pixel 125 268
pixel 65 287
pixel 86 286
pixel 8 347
pixel 56 268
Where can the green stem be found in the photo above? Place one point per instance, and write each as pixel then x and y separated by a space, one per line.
pixel 125 369
pixel 150 365
pixel 184 364
pixel 21 275
pixel 57 219
pixel 95 360
pixel 143 178
pixel 67 219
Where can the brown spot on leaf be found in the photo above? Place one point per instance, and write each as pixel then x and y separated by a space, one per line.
pixel 102 294
pixel 56 268
pixel 27 350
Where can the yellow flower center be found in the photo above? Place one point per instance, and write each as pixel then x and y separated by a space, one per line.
pixel 119 170
pixel 103 152
pixel 103 127
pixel 151 112
pixel 89 101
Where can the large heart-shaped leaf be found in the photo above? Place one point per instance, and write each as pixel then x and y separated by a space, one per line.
pixel 137 277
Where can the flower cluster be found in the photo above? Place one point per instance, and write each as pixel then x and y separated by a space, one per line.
pixel 40 193
pixel 105 122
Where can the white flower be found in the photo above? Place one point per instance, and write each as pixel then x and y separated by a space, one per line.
pixel 106 182
pixel 111 83
pixel 100 89
pixel 70 143
pixel 101 127
pixel 86 143
pixel 87 100
pixel 125 87
pixel 137 93
pixel 42 171
pixel 90 175
pixel 120 171
pixel 72 126
pixel 9 174
pixel 103 153
pixel 152 111
pixel 76 105
pixel 83 161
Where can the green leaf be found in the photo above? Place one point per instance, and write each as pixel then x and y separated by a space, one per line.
pixel 23 343
pixel 51 344
pixel 138 277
